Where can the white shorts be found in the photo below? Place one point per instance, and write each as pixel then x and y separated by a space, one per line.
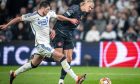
pixel 44 50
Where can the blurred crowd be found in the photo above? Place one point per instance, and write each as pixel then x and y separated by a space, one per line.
pixel 111 20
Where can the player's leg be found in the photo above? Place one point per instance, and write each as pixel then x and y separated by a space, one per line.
pixel 32 64
pixel 68 51
pixel 63 73
pixel 27 66
pixel 62 59
pixel 58 43
pixel 37 59
pixel 68 54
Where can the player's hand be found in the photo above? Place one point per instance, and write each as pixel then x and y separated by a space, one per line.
pixel 74 21
pixel 52 34
pixel 3 27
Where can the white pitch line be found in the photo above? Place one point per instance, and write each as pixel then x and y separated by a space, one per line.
pixel 117 74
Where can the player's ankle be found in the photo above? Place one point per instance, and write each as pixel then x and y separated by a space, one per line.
pixel 76 78
pixel 61 81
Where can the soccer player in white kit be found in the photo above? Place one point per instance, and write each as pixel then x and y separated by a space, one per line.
pixel 39 21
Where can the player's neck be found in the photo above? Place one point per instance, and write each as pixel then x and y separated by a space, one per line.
pixel 40 13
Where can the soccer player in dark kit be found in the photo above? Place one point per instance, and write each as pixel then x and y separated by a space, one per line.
pixel 63 40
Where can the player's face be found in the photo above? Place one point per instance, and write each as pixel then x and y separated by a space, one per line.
pixel 89 7
pixel 46 10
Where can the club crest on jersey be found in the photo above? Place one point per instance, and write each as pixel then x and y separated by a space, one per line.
pixel 59 43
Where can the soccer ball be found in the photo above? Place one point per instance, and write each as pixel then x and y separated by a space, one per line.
pixel 105 80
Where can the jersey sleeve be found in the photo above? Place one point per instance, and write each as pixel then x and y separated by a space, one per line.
pixel 53 14
pixel 27 17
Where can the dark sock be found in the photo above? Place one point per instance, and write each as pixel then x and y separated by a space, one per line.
pixel 63 73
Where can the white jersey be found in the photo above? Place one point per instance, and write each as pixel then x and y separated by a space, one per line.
pixel 40 26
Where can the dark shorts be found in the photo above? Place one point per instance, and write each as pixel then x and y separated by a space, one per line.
pixel 65 42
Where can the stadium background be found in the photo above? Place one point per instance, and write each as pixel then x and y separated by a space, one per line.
pixel 107 37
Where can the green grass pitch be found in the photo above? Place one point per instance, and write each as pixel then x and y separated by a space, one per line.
pixel 50 75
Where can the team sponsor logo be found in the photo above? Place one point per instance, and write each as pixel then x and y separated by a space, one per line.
pixel 119 54
pixel 43 22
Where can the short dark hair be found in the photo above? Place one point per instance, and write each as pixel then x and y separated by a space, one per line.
pixel 44 4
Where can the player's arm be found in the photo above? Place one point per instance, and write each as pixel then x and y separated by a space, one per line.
pixel 63 18
pixel 25 17
pixel 66 16
pixel 13 21
pixel 69 13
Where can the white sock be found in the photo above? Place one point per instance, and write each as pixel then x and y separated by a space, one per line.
pixel 67 68
pixel 23 68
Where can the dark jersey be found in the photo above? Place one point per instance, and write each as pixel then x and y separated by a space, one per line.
pixel 65 27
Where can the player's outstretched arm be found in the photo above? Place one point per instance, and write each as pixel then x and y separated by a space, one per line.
pixel 13 21
pixel 63 18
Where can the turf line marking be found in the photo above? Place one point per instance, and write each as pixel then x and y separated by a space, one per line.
pixel 118 74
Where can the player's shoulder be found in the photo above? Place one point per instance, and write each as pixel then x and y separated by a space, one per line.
pixel 35 13
pixel 74 7
pixel 32 14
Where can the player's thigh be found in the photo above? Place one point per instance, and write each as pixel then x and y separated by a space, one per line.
pixel 68 53
pixel 59 50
